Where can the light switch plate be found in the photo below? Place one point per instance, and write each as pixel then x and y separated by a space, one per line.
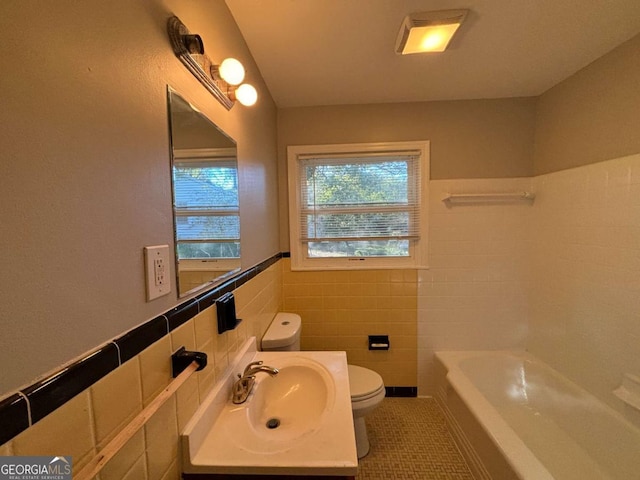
pixel 158 271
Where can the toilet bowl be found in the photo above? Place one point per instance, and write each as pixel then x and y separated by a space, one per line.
pixel 367 392
pixel 367 387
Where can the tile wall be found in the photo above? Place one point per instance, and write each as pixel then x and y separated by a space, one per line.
pixel 585 267
pixel 560 278
pixel 339 309
pixel 83 425
pixel 473 296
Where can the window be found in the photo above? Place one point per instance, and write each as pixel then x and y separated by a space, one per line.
pixel 206 204
pixel 358 205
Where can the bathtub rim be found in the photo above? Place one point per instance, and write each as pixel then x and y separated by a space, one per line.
pixel 515 452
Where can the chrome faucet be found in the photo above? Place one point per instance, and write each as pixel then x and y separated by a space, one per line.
pixel 243 386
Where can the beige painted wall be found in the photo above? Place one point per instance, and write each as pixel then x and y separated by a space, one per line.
pixel 85 167
pixel 469 138
pixel 593 115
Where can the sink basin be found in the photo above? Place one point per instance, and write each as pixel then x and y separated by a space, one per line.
pixel 289 405
pixel 298 422
pixel 280 409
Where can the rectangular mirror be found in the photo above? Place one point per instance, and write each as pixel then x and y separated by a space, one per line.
pixel 206 209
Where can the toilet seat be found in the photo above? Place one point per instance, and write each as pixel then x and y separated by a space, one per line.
pixel 364 383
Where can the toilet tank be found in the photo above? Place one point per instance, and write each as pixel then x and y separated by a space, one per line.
pixel 283 334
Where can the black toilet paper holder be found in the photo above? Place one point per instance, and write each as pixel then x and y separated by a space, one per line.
pixel 379 342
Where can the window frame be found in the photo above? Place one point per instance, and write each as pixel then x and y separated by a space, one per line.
pixel 417 248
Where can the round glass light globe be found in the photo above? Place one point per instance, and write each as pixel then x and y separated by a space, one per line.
pixel 231 71
pixel 246 94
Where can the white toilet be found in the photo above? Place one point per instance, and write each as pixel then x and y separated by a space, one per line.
pixel 367 387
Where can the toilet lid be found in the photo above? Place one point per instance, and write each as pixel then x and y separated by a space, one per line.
pixel 363 382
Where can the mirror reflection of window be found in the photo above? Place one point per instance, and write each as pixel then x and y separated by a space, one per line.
pixel 205 198
pixel 206 204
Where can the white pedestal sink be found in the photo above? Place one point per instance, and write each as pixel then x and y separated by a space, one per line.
pixel 296 423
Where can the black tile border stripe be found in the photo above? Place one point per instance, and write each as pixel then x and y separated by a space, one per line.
pixel 14 417
pixel 182 314
pixel 53 392
pixel 401 391
pixel 132 343
pixel 22 409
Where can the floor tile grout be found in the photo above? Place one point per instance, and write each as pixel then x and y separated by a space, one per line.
pixel 409 440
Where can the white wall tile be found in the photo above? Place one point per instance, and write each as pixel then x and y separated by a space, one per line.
pixel 585 264
pixel 564 274
pixel 472 296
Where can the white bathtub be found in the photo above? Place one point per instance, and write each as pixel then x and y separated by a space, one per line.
pixel 515 417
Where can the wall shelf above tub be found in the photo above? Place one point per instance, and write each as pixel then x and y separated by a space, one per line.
pixel 455 199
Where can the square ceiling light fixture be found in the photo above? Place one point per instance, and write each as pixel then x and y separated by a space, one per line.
pixel 428 31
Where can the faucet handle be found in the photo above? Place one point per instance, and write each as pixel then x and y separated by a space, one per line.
pixel 242 388
pixel 251 365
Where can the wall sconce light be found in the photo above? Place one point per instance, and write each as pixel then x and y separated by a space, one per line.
pixel 428 31
pixel 224 81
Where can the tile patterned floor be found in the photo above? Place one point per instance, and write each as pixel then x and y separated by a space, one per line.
pixel 409 440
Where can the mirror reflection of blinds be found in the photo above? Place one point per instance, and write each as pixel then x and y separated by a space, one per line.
pixel 206 199
pixel 211 153
pixel 210 188
pixel 200 163
pixel 367 196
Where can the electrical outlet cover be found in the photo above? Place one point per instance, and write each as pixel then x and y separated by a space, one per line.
pixel 158 270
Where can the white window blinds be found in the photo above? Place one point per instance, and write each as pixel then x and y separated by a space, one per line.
pixel 363 197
